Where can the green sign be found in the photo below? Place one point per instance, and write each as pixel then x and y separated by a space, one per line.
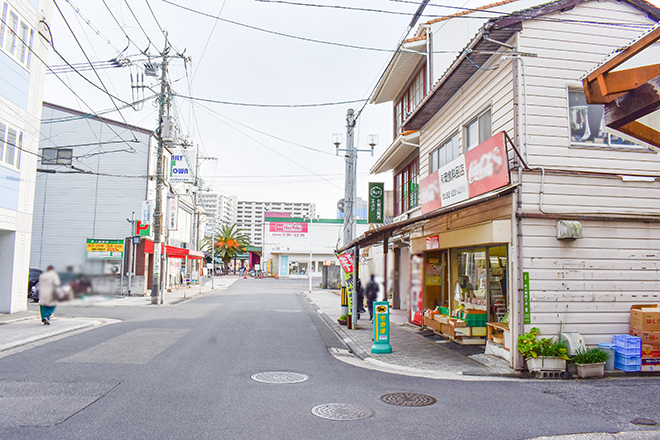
pixel 376 201
pixel 381 327
pixel 526 308
pixel 105 249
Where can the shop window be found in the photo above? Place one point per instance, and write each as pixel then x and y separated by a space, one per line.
pixel 478 130
pixel 481 281
pixel 445 153
pixel 587 124
pixel 406 188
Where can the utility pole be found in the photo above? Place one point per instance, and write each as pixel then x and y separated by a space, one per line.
pixel 350 200
pixel 163 109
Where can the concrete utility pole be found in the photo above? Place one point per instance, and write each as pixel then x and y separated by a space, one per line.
pixel 158 209
pixel 350 200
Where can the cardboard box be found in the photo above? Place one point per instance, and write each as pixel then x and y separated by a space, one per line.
pixel 463 331
pixel 479 331
pixel 475 311
pixel 650 351
pixel 650 368
pixel 449 330
pixel 442 319
pixel 647 337
pixel 457 323
pixel 645 317
pixel 432 323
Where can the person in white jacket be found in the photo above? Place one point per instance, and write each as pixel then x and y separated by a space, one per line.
pixel 48 281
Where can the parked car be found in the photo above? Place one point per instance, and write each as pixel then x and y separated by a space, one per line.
pixel 75 285
pixel 33 279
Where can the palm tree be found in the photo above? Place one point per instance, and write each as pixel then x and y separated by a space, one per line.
pixel 230 241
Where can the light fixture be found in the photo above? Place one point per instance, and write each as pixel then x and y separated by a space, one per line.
pixel 372 139
pixel 336 139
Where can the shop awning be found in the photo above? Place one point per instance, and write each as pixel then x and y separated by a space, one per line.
pixel 377 235
pixel 173 251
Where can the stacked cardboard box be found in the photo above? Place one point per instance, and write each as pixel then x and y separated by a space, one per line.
pixel 645 324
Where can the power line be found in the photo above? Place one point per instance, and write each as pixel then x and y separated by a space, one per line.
pixel 323 104
pixel 140 25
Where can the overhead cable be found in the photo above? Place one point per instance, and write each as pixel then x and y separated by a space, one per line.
pixel 243 104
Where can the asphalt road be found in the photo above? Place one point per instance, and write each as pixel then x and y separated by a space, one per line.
pixel 185 372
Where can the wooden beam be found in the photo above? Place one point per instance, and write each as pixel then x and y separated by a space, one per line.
pixel 625 54
pixel 641 132
pixel 623 81
pixel 634 104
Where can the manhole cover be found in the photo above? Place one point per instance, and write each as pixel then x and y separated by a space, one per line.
pixel 408 399
pixel 342 411
pixel 641 421
pixel 280 377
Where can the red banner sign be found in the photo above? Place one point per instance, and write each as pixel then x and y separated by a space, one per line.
pixel 288 227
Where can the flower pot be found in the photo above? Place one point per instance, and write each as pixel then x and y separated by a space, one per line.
pixel 341 321
pixel 585 371
pixel 546 363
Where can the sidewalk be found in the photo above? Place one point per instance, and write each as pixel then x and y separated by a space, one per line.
pixel 18 329
pixel 415 352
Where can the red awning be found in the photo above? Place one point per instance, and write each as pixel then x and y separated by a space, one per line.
pixel 173 251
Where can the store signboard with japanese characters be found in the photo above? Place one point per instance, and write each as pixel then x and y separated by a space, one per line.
pixel 478 171
pixel 285 229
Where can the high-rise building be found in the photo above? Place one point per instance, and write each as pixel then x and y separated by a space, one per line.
pixel 250 215
pixel 220 209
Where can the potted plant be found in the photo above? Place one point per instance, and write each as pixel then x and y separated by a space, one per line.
pixel 590 362
pixel 543 354
pixel 342 320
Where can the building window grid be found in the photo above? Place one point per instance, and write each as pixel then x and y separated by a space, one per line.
pixel 406 187
pixel 445 153
pixel 410 99
pixel 16 37
pixel 478 130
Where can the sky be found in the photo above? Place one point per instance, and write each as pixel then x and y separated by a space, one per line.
pixel 257 57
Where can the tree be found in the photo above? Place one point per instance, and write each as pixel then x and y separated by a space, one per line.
pixel 230 241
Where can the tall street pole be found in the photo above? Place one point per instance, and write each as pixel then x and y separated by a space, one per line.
pixel 158 210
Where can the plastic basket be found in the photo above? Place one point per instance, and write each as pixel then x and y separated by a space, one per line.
pixel 444 310
pixel 477 320
pixel 627 363
pixel 627 345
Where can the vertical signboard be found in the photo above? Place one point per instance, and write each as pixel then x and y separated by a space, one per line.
pixel 179 167
pixel 381 328
pixel 173 212
pixel 376 202
pixel 527 313
pixel 416 289
pixel 346 262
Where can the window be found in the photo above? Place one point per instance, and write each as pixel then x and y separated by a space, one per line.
pixel 56 156
pixel 588 125
pixel 412 96
pixel 478 130
pixel 11 145
pixel 16 36
pixel 444 154
pixel 406 188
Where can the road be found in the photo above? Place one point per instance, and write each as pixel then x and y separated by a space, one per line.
pixel 185 372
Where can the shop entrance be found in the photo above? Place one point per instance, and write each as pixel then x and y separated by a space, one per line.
pixel 481 281
pixel 436 274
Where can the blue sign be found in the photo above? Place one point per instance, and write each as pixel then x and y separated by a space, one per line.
pixel 381 328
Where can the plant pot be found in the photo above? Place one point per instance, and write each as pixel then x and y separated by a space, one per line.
pixel 585 371
pixel 546 363
pixel 341 321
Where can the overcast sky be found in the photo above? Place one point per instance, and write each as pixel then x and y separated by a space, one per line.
pixel 264 153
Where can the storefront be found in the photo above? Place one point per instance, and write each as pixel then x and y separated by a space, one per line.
pixel 182 266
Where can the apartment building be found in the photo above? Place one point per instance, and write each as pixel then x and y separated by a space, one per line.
pixel 220 209
pixel 250 215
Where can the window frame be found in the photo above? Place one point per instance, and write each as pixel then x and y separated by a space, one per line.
pixel 413 95
pixel 13 151
pixel 406 187
pixel 16 43
pixel 59 158
pixel 434 164
pixel 630 146
pixel 481 136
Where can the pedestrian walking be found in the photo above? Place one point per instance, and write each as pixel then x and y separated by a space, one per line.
pixel 360 295
pixel 372 294
pixel 48 282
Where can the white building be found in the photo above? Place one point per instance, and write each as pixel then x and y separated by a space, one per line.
pixel 250 215
pixel 21 90
pixel 288 242
pixel 511 195
pixel 220 209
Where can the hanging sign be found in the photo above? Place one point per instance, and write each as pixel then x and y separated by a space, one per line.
pixel 527 311
pixel 480 170
pixel 147 212
pixel 173 212
pixel 142 230
pixel 179 168
pixel 376 202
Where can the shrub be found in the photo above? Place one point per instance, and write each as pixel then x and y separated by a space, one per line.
pixel 530 346
pixel 590 356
